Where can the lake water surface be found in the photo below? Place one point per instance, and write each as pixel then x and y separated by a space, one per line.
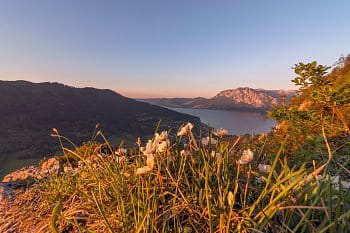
pixel 236 122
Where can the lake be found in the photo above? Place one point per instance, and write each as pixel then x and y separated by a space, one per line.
pixel 235 122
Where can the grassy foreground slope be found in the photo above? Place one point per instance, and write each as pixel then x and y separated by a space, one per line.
pixel 294 179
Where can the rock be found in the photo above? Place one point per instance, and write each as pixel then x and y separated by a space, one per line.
pixel 22 174
pixel 24 177
pixel 51 167
pixel 5 191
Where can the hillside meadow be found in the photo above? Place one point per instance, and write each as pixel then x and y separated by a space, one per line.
pixel 293 179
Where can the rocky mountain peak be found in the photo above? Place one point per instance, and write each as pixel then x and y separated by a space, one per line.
pixel 258 98
pixel 241 98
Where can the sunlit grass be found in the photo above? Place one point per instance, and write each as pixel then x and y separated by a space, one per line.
pixel 192 187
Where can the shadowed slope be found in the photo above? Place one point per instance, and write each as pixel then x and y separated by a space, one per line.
pixel 29 111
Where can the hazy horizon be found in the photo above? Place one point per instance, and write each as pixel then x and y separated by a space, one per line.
pixel 168 49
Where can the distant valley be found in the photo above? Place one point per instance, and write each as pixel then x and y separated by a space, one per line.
pixel 242 99
pixel 29 111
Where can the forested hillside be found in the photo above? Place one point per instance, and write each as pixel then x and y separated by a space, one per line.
pixel 29 111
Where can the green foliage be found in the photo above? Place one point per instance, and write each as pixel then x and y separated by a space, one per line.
pixel 310 75
pixel 323 101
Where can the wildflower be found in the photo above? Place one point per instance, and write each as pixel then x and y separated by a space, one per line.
pixel 205 141
pixel 163 146
pixel 185 129
pixel 264 168
pixel 159 144
pixel 143 170
pixel 230 198
pixel 84 175
pixel 149 149
pixel 161 137
pixel 149 166
pixel 247 156
pixel 220 133
pixel 150 161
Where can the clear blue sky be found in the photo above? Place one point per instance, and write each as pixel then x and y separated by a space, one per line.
pixel 167 48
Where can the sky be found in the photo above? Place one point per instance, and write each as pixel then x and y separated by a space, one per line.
pixel 164 48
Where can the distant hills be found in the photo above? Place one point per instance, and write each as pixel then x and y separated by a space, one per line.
pixel 243 98
pixel 29 111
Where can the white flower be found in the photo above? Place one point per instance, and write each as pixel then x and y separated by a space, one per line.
pixel 149 149
pixel 160 137
pixel 158 144
pixel 143 170
pixel 247 156
pixel 149 165
pixel 185 129
pixel 264 168
pixel 150 161
pixel 205 141
pixel 163 146
pixel 220 133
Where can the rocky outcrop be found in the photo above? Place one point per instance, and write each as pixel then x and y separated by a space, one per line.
pixel 26 176
pixel 257 98
pixel 22 174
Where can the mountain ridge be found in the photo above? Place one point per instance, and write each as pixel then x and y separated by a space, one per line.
pixel 241 98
